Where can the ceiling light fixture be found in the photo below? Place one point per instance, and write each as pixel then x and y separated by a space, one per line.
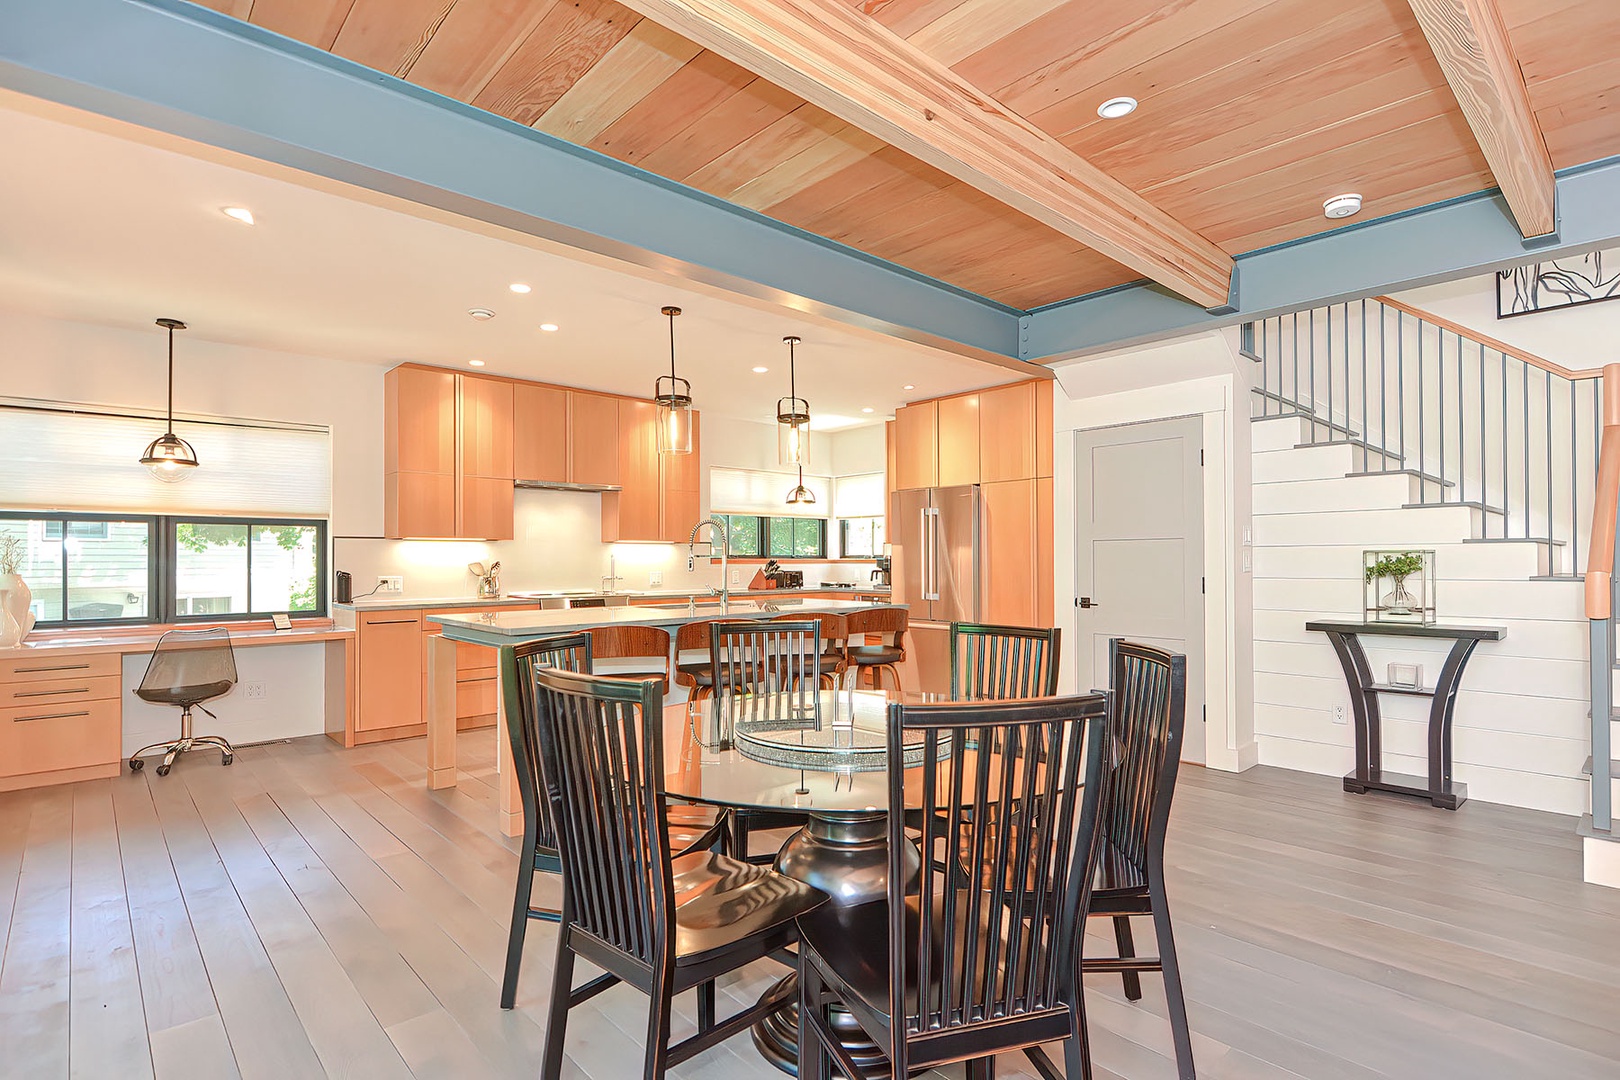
pixel 549 327
pixel 1342 206
pixel 868 409
pixel 673 396
pixel 169 457
pixel 908 386
pixel 239 213
pixel 801 495
pixel 1114 108
pixel 475 363
pixel 793 418
pixel 760 369
pixel 482 314
pixel 518 287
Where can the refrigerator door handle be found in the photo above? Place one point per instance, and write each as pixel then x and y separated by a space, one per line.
pixel 931 547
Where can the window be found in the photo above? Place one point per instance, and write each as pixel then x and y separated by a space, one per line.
pixel 860 538
pixel 776 537
pixel 104 568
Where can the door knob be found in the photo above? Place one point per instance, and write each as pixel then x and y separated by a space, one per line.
pixel 1087 602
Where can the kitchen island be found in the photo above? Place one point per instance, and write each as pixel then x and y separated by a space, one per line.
pixel 496 628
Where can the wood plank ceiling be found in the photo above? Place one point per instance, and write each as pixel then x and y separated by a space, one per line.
pixel 1252 111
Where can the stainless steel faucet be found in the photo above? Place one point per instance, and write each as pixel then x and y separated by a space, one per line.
pixel 725 553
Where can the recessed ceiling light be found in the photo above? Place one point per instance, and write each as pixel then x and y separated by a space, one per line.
pixel 482 314
pixel 908 386
pixel 549 327
pixel 760 370
pixel 1114 108
pixel 518 287
pixel 475 363
pixel 1342 206
pixel 868 410
pixel 239 213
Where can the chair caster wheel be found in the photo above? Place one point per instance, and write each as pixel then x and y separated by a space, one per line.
pixel 163 770
pixel 227 759
pixel 136 764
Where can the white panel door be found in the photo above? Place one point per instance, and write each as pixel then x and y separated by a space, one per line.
pixel 1139 551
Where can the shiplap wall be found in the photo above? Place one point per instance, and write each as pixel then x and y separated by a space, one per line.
pixel 1520 730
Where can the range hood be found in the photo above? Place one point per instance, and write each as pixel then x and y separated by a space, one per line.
pixel 558 485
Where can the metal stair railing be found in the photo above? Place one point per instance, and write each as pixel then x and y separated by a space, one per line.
pixel 1479 422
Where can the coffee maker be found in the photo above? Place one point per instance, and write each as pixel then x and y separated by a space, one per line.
pixel 880 576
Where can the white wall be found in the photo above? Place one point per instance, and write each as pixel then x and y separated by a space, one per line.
pixel 1197 376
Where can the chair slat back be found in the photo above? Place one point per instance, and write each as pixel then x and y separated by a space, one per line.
pixel 1147 714
pixel 997 934
pixel 185 658
pixel 991 663
pixel 519 665
pixel 766 657
pixel 601 752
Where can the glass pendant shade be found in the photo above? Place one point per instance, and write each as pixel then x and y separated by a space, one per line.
pixel 792 418
pixel 169 457
pixel 673 396
pixel 801 495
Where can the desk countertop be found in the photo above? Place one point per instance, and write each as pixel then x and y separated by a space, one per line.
pixel 73 643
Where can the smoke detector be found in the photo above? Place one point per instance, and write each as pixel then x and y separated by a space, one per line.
pixel 482 314
pixel 1342 206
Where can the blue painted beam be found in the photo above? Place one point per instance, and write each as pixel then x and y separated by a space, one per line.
pixel 1460 238
pixel 178 68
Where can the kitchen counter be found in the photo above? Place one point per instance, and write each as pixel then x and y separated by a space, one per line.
pixel 523 597
pixel 498 628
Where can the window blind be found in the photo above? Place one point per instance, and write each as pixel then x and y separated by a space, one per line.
pixel 754 491
pixel 860 495
pixel 74 458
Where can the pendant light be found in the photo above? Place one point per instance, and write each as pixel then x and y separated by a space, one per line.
pixel 793 418
pixel 169 457
pixel 801 495
pixel 673 396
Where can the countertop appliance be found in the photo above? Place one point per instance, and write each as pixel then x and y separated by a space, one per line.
pixel 938 553
pixel 885 566
pixel 343 590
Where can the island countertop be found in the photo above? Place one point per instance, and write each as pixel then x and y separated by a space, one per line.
pixel 498 628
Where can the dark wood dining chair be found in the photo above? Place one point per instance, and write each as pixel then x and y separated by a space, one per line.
pixel 991 663
pixel 644 648
pixel 889 624
pixel 658 922
pixel 1147 715
pixel 944 972
pixel 834 643
pixel 763 657
pixel 689 827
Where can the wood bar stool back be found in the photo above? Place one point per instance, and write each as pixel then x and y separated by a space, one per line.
pixel 694 674
pixel 943 971
pixel 890 624
pixel 766 657
pixel 649 919
pixel 647 646
pixel 834 642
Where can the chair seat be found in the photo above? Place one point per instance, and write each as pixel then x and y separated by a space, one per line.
pixel 875 655
pixel 852 947
pixel 720 901
pixel 691 826
pixel 703 675
pixel 184 695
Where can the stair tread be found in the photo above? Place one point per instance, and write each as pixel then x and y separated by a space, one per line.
pixel 1583 828
pixel 1515 540
pixel 1470 503
pixel 1427 478
pixel 1614 767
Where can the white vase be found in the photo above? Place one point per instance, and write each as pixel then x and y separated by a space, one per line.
pixel 16 616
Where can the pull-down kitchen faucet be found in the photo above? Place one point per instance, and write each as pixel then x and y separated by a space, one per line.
pixel 725 553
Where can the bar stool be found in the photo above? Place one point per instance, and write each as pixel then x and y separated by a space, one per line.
pixel 890 624
pixel 649 644
pixel 696 675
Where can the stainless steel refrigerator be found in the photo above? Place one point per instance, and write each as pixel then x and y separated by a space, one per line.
pixel 938 543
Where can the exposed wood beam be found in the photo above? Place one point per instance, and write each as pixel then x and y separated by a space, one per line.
pixel 857 69
pixel 1470 40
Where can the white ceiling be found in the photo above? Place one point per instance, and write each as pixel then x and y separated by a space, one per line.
pixel 112 224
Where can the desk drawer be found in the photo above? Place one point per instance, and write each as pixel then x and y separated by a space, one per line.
pixel 58 691
pixel 44 738
pixel 48 667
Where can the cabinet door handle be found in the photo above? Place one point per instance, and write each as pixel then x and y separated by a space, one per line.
pixel 52 693
pixel 387 622
pixel 52 716
pixel 58 667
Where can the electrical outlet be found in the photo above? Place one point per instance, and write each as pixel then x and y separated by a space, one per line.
pixel 736 577
pixel 1248 560
pixel 253 691
pixel 390 583
pixel 655 578
pixel 1338 714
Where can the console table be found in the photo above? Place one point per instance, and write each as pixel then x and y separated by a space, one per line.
pixel 1369 774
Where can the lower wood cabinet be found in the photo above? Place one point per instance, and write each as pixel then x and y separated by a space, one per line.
pixel 61 718
pixel 391 671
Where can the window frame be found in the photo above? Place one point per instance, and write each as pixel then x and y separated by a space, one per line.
pixel 764 532
pixel 843 536
pixel 162 563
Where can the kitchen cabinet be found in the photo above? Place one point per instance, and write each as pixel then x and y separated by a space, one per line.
pixel 60 719
pixel 661 497
pixel 680 482
pixel 593 438
pixel 1045 553
pixel 1008 590
pixel 540 433
pixel 916 449
pixel 391 672
pixel 1007 416
pixel 448 455
pixel 1043 427
pixel 957 440
pixel 485 508
pixel 477 688
pixel 485 428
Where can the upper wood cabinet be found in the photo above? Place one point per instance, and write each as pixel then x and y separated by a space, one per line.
pixel 593 438
pixel 540 433
pixel 486 427
pixel 958 440
pixel 1007 417
pixel 447 450
pixel 916 447
pixel 661 497
pixel 419 421
pixel 680 477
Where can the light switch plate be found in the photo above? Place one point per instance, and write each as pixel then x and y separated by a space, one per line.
pixel 736 577
pixel 655 578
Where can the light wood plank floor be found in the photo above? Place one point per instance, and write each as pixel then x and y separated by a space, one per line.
pixel 313 911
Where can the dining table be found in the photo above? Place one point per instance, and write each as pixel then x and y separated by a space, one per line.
pixel 824 752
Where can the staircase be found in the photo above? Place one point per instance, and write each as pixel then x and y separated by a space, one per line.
pixel 1380 426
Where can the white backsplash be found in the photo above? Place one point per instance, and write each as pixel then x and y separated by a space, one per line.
pixel 557 545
